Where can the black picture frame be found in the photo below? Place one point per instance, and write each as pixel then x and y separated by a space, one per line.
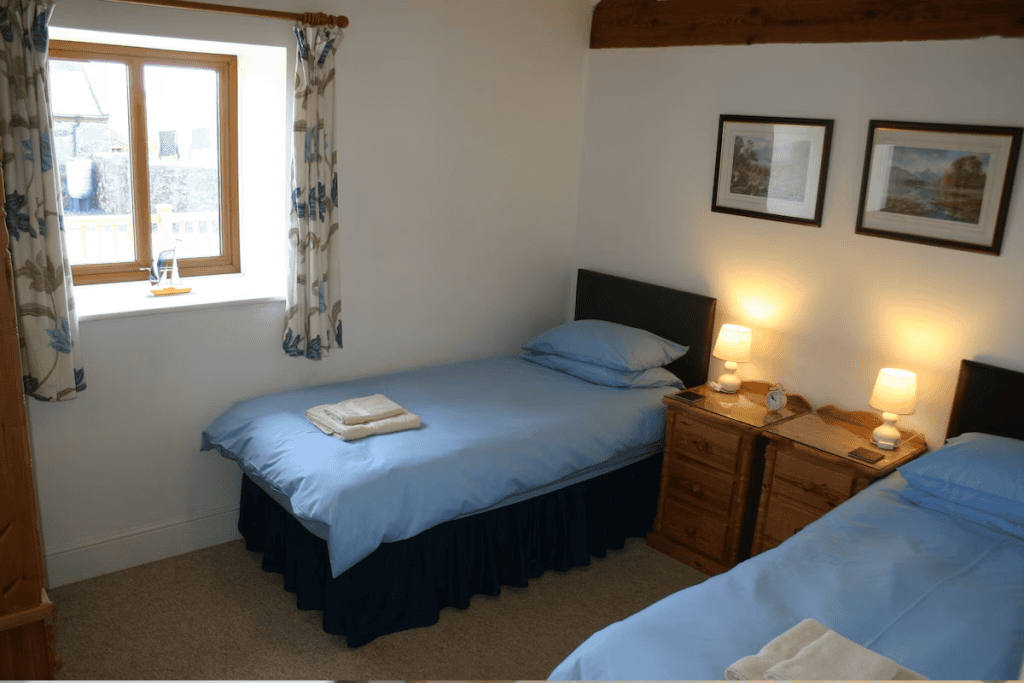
pixel 790 187
pixel 946 185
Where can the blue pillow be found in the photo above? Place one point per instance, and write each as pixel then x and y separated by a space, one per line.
pixel 610 345
pixel 979 476
pixel 597 374
pixel 1008 521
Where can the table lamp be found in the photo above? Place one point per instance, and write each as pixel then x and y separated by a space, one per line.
pixel 895 394
pixel 732 346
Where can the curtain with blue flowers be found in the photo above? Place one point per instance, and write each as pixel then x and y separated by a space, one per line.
pixel 47 324
pixel 312 324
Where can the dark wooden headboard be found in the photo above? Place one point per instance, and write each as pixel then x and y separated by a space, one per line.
pixel 678 316
pixel 988 399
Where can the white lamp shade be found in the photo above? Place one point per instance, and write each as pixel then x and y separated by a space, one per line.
pixel 895 392
pixel 733 344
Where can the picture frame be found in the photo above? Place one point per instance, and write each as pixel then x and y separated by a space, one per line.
pixel 946 185
pixel 772 167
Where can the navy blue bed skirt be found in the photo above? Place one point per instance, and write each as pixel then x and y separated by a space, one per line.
pixel 406 584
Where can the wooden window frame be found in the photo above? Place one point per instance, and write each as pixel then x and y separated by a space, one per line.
pixel 134 58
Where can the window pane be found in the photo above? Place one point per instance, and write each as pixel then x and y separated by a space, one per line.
pixel 184 164
pixel 91 144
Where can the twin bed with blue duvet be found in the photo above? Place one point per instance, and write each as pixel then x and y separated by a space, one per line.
pixel 494 431
pixel 522 463
pixel 925 567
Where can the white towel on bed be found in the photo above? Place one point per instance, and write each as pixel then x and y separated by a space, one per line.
pixel 388 425
pixel 836 658
pixel 355 411
pixel 810 651
pixel 781 648
pixel 328 423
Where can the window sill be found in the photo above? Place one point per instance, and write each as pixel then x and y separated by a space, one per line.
pixel 124 299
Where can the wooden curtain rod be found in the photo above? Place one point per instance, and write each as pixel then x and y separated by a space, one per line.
pixel 314 19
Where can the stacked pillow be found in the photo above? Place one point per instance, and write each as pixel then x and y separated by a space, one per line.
pixel 976 476
pixel 606 353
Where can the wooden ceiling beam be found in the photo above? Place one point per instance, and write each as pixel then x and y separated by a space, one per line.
pixel 664 23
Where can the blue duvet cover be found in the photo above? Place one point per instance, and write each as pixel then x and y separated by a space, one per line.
pixel 938 594
pixel 494 431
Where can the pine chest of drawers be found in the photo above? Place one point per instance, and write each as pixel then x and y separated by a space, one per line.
pixel 711 475
pixel 808 470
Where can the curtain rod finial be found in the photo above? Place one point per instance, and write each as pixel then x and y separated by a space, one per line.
pixel 321 19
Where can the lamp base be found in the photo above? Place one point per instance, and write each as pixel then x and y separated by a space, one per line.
pixel 886 436
pixel 729 383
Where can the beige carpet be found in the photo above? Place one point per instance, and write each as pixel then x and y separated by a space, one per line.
pixel 215 614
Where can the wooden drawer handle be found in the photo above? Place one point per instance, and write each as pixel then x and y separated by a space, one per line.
pixel 698 445
pixel 695 488
pixel 811 487
pixel 819 490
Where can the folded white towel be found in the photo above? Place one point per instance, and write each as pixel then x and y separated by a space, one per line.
pixel 833 657
pixel 779 649
pixel 331 417
pixel 355 411
pixel 328 423
pixel 322 420
pixel 388 425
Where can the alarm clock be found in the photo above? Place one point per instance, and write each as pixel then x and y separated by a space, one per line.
pixel 776 398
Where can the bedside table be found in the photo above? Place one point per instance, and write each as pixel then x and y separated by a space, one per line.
pixel 711 474
pixel 808 470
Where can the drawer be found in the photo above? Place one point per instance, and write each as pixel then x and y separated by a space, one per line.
pixel 705 441
pixel 693 527
pixel 697 484
pixel 785 519
pixel 817 484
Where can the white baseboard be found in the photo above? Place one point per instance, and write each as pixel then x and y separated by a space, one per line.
pixel 131 549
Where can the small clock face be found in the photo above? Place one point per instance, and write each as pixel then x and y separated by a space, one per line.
pixel 775 400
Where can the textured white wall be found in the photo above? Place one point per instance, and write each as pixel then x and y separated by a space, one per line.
pixel 829 308
pixel 461 135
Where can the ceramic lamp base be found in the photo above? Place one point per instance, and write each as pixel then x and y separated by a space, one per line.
pixel 728 381
pixel 886 436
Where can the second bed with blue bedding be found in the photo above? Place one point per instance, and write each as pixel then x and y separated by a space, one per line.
pixel 941 595
pixel 924 567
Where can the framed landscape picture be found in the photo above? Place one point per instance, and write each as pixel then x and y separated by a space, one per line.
pixel 939 184
pixel 774 168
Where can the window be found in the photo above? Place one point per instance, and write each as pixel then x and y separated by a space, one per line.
pixel 146 145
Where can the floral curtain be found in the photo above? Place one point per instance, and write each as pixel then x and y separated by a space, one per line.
pixel 47 323
pixel 312 324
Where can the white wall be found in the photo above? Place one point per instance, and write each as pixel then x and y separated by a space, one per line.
pixel 461 135
pixel 829 308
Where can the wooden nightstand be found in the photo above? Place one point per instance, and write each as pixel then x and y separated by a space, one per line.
pixel 711 474
pixel 808 470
